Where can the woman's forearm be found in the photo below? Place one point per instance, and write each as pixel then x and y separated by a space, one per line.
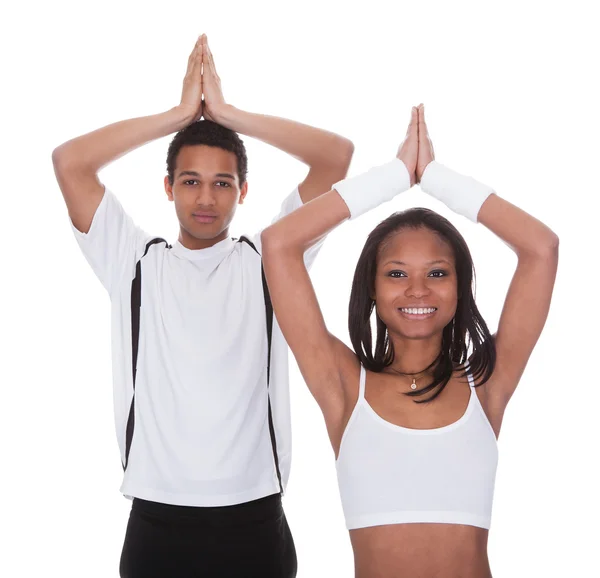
pixel 298 231
pixel 525 234
pixel 348 198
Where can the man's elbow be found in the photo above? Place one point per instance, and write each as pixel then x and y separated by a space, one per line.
pixel 342 155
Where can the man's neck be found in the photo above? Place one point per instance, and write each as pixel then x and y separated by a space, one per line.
pixel 193 243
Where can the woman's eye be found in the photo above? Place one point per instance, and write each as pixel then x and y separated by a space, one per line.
pixel 396 274
pixel 438 273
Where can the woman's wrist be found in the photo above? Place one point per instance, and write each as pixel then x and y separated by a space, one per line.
pixel 378 185
pixel 463 194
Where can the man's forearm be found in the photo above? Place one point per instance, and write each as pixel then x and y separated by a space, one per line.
pixel 98 148
pixel 312 146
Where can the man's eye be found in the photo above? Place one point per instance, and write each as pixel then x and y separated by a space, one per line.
pixel 189 181
pixel 223 183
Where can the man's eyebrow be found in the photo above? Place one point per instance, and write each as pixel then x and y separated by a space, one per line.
pixel 197 174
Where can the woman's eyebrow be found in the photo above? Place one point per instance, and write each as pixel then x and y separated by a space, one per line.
pixel 428 263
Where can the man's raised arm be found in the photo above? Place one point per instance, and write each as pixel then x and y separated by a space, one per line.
pixel 328 155
pixel 78 161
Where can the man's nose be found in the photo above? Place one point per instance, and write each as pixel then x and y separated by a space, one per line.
pixel 205 195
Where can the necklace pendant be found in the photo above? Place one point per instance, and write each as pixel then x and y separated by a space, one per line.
pixel 413 385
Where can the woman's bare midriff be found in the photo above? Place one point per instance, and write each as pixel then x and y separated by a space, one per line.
pixel 420 551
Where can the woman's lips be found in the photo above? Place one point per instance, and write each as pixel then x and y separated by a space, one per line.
pixel 416 316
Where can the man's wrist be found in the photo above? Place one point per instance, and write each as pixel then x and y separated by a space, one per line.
pixel 225 115
pixel 181 117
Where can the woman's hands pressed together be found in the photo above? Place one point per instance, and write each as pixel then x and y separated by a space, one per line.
pixel 416 150
pixel 408 151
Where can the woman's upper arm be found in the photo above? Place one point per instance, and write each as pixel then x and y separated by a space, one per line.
pixel 528 298
pixel 523 317
pixel 299 316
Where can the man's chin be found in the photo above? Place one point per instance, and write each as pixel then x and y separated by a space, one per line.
pixel 206 232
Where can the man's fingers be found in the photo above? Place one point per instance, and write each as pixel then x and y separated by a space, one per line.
pixel 209 58
pixel 194 53
pixel 194 62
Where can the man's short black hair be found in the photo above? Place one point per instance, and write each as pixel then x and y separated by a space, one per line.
pixel 207 132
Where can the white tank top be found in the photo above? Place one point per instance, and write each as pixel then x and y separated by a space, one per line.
pixel 389 474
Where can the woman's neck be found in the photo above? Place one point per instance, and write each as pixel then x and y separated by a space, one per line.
pixel 414 356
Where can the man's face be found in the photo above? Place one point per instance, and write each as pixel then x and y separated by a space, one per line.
pixel 206 192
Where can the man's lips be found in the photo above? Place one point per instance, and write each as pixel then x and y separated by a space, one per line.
pixel 202 217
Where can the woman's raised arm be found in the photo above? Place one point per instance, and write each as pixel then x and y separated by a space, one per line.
pixel 321 357
pixel 528 298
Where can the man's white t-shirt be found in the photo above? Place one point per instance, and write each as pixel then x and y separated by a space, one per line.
pixel 200 430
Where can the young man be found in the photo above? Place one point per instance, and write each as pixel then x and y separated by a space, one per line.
pixel 200 366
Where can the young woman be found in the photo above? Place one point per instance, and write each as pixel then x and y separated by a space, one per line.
pixel 414 420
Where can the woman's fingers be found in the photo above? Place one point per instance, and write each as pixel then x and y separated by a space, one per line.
pixel 426 154
pixel 422 124
pixel 413 125
pixel 424 139
pixel 409 149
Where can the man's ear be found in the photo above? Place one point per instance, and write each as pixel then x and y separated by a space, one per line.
pixel 243 193
pixel 168 188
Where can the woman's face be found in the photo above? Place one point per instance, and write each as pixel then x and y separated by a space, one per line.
pixel 415 271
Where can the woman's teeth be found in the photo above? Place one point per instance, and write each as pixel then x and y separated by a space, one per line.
pixel 417 311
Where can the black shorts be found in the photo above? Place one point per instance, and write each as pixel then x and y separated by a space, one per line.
pixel 246 540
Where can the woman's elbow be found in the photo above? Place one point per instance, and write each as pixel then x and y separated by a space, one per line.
pixel 271 239
pixel 550 246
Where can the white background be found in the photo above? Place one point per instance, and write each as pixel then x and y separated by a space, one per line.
pixel 510 100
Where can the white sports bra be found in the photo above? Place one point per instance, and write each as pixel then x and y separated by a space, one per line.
pixel 389 474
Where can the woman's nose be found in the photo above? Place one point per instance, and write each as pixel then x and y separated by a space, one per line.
pixel 417 288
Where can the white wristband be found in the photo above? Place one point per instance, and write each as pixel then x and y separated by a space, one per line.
pixel 378 185
pixel 464 195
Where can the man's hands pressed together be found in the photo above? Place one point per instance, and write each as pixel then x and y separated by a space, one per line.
pixel 202 95
pixel 191 94
pixel 211 84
